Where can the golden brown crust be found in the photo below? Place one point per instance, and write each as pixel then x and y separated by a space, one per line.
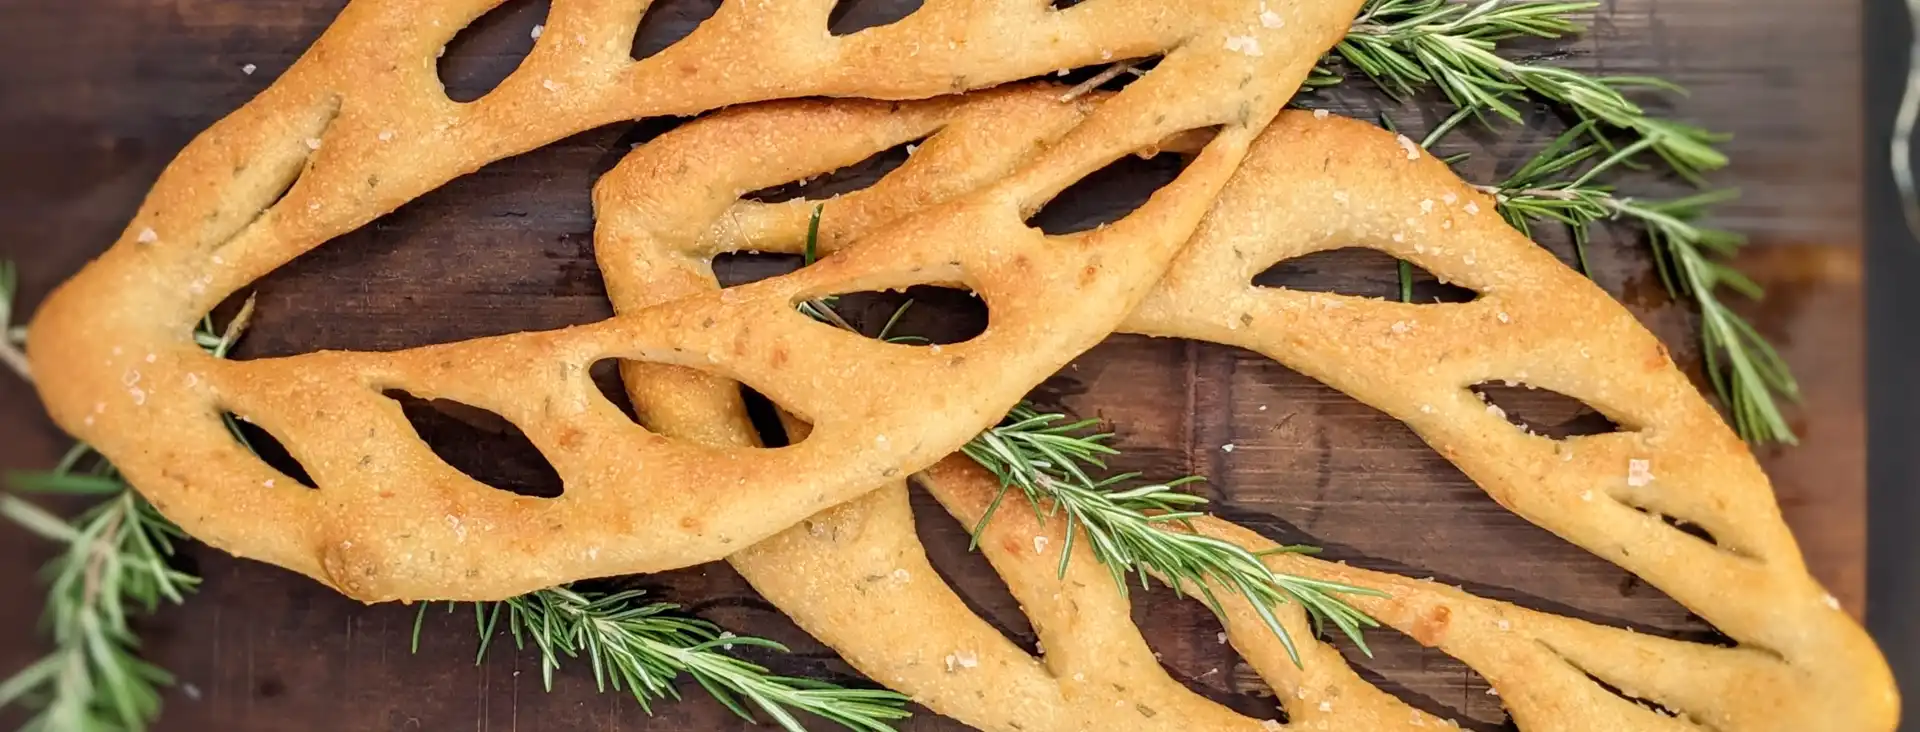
pixel 1309 184
pixel 358 126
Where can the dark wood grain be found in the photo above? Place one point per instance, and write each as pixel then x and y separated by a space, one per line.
pixel 96 96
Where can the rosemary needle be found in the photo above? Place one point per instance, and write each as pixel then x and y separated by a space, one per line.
pixel 1132 529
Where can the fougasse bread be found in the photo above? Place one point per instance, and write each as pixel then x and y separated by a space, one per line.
pixel 856 576
pixel 360 125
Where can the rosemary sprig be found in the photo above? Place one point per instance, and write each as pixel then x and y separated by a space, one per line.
pixel 1129 528
pixel 1132 530
pixel 1745 370
pixel 1403 45
pixel 115 561
pixel 644 648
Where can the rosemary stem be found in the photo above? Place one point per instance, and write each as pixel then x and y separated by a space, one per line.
pixel 16 360
pixel 1107 74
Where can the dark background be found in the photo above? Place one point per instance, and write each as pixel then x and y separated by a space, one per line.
pixel 1893 468
pixel 96 96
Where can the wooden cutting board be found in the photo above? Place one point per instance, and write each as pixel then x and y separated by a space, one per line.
pixel 96 96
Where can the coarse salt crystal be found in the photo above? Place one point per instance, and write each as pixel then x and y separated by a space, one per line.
pixel 1340 197
pixel 1039 544
pixel 1247 45
pixel 147 236
pixel 268 483
pixel 550 85
pixel 1227 447
pixel 1473 208
pixel 1586 495
pixel 249 69
pixel 1502 315
pixel 386 135
pixel 1495 410
pixel 1220 638
pixel 313 143
pixel 1400 327
pixel 1426 409
pixel 1450 199
pixel 1263 407
pixel 1832 603
pixel 1426 206
pixel 1639 472
pixel 1321 114
pixel 1326 706
pixel 1270 19
pixel 537 30
pixel 900 575
pixel 1505 624
pixel 966 659
pixel 1412 148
